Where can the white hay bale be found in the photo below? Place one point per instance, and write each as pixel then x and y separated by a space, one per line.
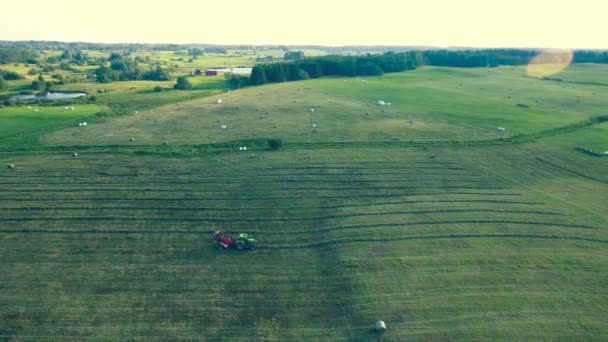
pixel 74 154
pixel 381 103
pixel 84 123
pixel 65 107
pixel 80 124
pixel 312 110
pixel 380 327
pixel 72 108
pixel 224 126
pixel 11 166
pixel 244 148
pixel 314 125
pixel 35 109
pixel 240 148
pixel 132 139
pixel 135 112
pixel 501 129
pixel 165 142
pixel 29 107
pixel 219 101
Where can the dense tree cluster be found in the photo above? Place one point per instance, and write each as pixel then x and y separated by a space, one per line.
pixel 293 56
pixel 216 49
pixel 17 55
pixel 478 58
pixel 127 69
pixel 10 75
pixel 590 56
pixel 335 65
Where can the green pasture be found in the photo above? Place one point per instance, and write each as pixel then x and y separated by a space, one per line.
pixel 20 120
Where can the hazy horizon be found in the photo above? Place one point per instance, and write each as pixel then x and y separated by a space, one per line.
pixel 468 23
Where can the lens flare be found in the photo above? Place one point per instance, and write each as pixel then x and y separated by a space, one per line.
pixel 549 62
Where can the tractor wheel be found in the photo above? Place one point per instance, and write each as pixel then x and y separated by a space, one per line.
pixel 240 246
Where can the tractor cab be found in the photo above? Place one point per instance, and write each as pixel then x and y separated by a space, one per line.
pixel 244 242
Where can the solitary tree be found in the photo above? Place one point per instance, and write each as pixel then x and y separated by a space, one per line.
pixel 182 84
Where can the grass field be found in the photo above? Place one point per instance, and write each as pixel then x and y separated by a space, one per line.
pixel 584 74
pixel 431 104
pixel 20 120
pixel 442 227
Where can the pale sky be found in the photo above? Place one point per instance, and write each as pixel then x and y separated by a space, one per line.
pixel 478 23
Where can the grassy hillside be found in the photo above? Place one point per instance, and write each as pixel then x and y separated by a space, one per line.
pixel 426 105
pixel 438 226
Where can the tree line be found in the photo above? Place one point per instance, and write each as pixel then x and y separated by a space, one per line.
pixel 334 65
pixel 496 57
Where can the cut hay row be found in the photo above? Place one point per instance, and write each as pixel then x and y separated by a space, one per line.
pixel 273 219
pixel 270 231
pixel 189 183
pixel 358 188
pixel 263 209
pixel 224 175
pixel 247 199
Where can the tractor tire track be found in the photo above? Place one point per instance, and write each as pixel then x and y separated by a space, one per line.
pixel 434 237
pixel 570 171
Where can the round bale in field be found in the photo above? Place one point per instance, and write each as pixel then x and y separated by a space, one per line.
pixel 74 154
pixel 380 327
pixel 132 139
pixel 11 166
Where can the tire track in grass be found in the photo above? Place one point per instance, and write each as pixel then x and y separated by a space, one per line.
pixel 434 237
pixel 276 219
pixel 570 171
pixel 336 206
pixel 291 232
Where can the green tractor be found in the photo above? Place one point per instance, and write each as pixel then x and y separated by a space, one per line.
pixel 244 242
pixel 241 243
